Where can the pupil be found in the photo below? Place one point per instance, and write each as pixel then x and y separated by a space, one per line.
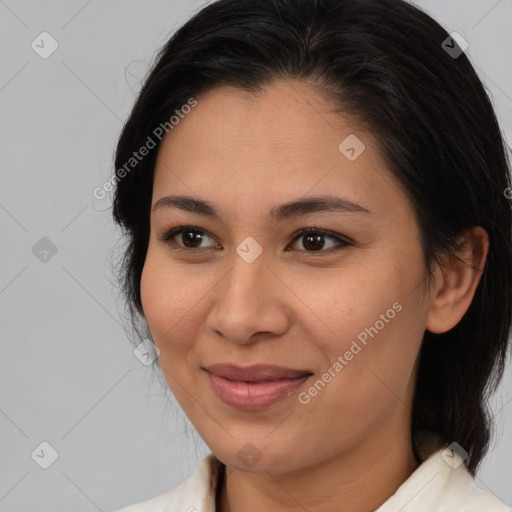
pixel 314 241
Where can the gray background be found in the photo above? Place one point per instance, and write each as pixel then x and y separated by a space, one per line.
pixel 68 373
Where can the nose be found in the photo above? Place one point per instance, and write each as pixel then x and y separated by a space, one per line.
pixel 249 303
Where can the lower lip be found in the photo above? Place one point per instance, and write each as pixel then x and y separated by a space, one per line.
pixel 253 396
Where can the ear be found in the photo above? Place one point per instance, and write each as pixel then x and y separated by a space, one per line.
pixel 456 281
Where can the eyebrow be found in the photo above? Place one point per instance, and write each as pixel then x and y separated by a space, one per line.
pixel 305 206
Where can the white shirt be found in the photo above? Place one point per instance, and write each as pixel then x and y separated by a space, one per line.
pixel 441 483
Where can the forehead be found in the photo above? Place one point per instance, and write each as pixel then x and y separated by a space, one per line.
pixel 283 142
pixel 284 113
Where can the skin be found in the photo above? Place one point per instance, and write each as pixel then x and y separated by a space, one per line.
pixel 248 153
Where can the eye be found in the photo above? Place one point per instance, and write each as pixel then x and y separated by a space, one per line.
pixel 313 241
pixel 189 239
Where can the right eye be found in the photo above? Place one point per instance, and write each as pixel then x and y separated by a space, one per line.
pixel 187 239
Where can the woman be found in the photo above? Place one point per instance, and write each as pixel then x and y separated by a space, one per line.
pixel 319 240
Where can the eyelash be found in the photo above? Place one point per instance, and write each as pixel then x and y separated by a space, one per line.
pixel 168 236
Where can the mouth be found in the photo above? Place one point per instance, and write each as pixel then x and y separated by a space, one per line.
pixel 255 387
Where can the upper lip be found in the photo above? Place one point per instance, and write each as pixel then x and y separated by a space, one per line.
pixel 255 372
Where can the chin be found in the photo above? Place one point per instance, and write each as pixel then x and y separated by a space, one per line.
pixel 254 457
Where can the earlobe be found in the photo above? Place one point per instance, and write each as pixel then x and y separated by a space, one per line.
pixel 456 281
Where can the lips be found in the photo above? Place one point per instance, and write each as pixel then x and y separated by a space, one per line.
pixel 255 387
pixel 260 372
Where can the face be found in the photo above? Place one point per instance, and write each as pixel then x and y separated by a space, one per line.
pixel 341 309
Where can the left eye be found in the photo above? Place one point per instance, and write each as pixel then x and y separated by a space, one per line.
pixel 313 240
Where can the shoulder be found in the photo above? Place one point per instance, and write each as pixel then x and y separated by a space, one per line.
pixel 479 500
pixel 464 493
pixel 442 483
pixel 461 491
pixel 195 494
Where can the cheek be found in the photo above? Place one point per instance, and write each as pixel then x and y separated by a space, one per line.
pixel 168 310
pixel 350 300
pixel 368 369
pixel 154 296
pixel 171 300
pixel 375 319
